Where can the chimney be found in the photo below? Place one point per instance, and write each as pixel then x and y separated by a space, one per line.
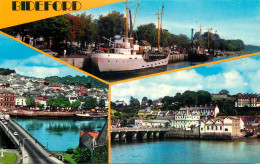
pixel 192 36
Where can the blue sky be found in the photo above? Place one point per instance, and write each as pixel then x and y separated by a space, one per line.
pixel 237 76
pixel 233 19
pixel 28 62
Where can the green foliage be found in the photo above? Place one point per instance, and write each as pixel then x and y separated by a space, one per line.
pixel 70 151
pixel 168 103
pixel 90 103
pixel 82 155
pixel 102 103
pixel 148 32
pixel 4 71
pixel 76 104
pixel 100 154
pixel 41 106
pixel 110 25
pixel 77 80
pixel 134 102
pixel 30 102
pixel 61 103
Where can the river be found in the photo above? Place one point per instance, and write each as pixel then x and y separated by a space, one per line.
pixel 170 66
pixel 60 133
pixel 186 151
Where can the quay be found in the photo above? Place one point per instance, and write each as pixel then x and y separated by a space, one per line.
pixel 178 58
pixel 30 149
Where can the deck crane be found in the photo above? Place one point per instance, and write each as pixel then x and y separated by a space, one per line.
pixel 135 18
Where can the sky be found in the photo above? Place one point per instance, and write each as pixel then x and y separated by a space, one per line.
pixel 233 19
pixel 28 62
pixel 237 76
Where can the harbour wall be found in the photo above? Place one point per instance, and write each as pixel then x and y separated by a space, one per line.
pixel 178 58
pixel 76 62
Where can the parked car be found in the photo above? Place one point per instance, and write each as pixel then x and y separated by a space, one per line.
pixel 5 123
pixel 15 133
pixel 55 54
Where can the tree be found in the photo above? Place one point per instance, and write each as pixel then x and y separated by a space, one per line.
pixel 102 103
pixel 168 103
pixel 30 102
pixel 224 92
pixel 77 27
pixel 41 106
pixel 100 154
pixel 110 25
pixel 134 102
pixel 90 31
pixel 82 155
pixel 76 104
pixel 150 102
pixel 148 32
pixel 90 103
pixel 50 102
pixel 189 98
pixel 61 103
pixel 203 97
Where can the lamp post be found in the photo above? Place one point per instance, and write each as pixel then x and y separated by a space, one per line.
pixel 23 144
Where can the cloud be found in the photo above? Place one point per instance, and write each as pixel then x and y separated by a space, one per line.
pixel 39 66
pixel 239 76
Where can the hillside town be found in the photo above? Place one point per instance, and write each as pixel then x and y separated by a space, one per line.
pixel 19 92
pixel 223 116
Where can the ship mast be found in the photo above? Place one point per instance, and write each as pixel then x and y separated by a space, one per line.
pixel 200 33
pixel 159 28
pixel 135 18
pixel 126 26
pixel 209 31
pixel 162 14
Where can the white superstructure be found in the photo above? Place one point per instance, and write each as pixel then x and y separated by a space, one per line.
pixel 123 57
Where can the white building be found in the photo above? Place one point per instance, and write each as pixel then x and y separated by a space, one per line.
pixel 184 121
pixel 152 123
pixel 20 101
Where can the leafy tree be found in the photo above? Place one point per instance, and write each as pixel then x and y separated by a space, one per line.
pixel 134 102
pixel 90 103
pixel 77 27
pixel 100 154
pixel 76 104
pixel 150 102
pixel 82 155
pixel 70 151
pixel 102 103
pixel 41 106
pixel 110 25
pixel 203 97
pixel 50 102
pixel 30 102
pixel 148 32
pixel 61 103
pixel 224 92
pixel 90 31
pixel 168 103
pixel 189 98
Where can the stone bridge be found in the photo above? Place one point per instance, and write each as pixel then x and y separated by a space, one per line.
pixel 129 134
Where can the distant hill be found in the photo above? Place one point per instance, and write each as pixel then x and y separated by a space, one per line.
pixel 78 80
pixel 252 48
pixel 7 71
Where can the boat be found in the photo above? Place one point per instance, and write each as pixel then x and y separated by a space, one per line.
pixel 200 55
pixel 124 55
pixel 92 116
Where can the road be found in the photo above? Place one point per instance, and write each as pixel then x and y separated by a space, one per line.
pixel 36 154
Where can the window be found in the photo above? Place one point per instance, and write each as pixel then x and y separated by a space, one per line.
pixel 201 128
pixel 212 127
pixel 216 127
pixel 207 127
pixel 226 129
pixel 220 127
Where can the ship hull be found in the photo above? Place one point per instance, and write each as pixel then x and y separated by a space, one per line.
pixel 199 57
pixel 117 63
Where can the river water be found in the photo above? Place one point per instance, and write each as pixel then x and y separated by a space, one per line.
pixel 170 66
pixel 60 133
pixel 186 151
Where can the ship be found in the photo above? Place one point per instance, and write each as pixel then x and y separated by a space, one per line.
pixel 91 116
pixel 124 55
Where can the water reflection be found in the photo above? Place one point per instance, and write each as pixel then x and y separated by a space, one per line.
pixel 186 151
pixel 60 133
